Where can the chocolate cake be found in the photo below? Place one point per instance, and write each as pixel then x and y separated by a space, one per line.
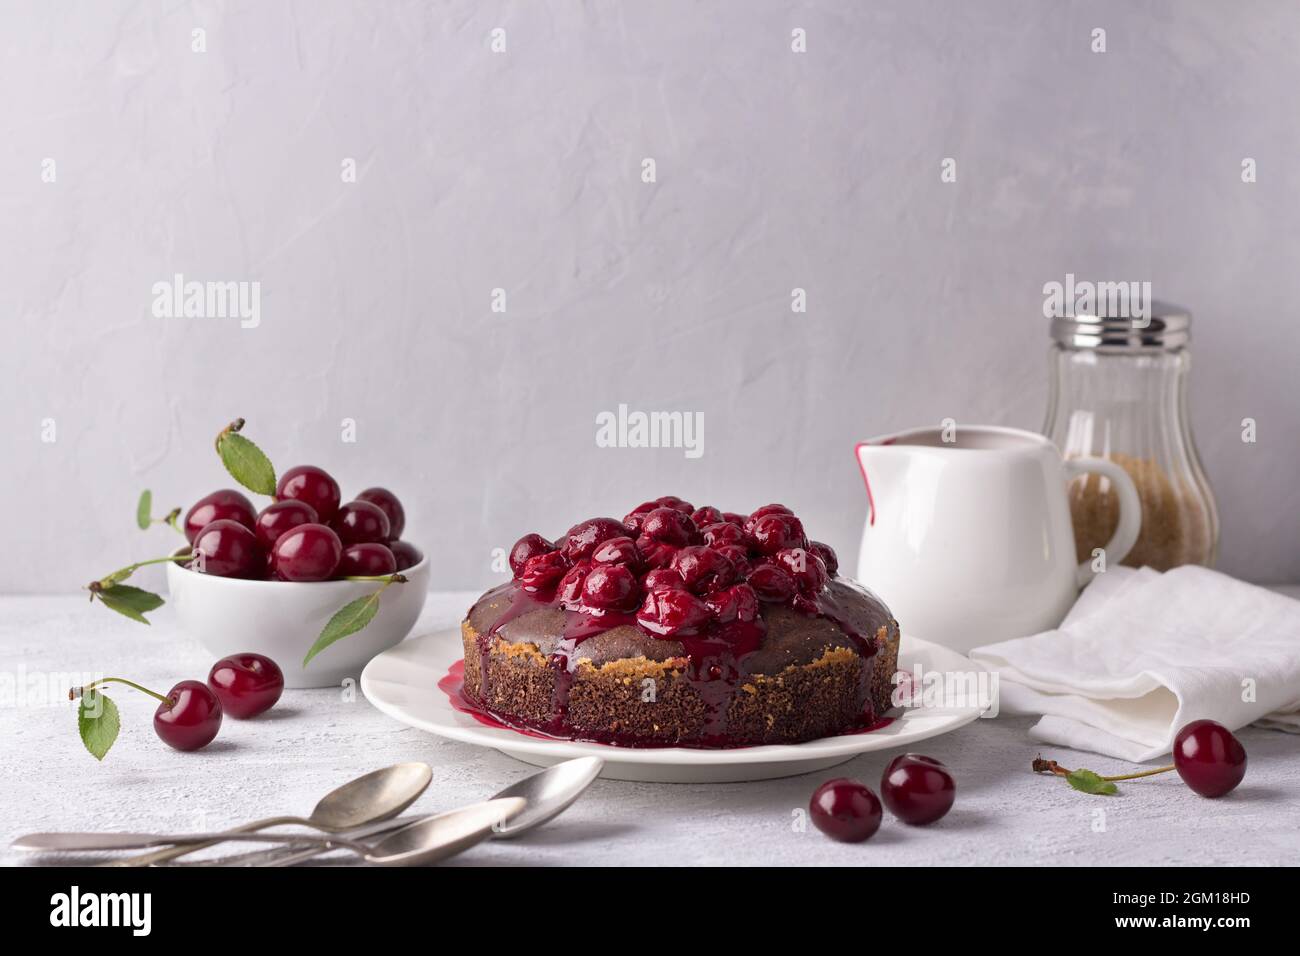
pixel 680 626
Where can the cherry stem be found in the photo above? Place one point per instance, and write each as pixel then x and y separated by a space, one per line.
pixel 76 692
pixel 386 578
pixel 1051 766
pixel 234 426
pixel 123 573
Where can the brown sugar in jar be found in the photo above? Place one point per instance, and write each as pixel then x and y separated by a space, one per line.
pixel 1119 391
pixel 1175 527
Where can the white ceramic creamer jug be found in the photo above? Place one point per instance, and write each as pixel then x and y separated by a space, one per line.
pixel 968 536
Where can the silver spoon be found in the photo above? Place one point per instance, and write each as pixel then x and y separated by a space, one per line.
pixel 374 796
pixel 549 793
pixel 425 841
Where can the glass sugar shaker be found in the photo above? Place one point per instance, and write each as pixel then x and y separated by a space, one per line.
pixel 1119 391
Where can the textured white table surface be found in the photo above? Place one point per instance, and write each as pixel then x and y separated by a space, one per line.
pixel 315 740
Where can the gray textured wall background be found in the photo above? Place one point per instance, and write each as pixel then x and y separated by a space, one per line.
pixel 522 171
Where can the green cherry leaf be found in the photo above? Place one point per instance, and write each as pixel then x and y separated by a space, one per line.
pixel 1089 782
pixel 144 510
pixel 98 723
pixel 349 619
pixel 246 463
pixel 131 601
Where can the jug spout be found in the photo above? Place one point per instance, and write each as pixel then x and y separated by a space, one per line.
pixel 881 464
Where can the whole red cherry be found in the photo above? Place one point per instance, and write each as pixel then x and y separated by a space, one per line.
pixel 226 504
pixel 845 810
pixel 246 684
pixel 228 549
pixel 405 554
pixel 190 717
pixel 387 503
pixel 278 517
pixel 312 485
pixel 1209 758
pixel 309 552
pixel 360 521
pixel 368 559
pixel 917 789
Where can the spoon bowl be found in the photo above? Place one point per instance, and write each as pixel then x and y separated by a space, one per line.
pixel 377 795
pixel 548 794
pixel 444 835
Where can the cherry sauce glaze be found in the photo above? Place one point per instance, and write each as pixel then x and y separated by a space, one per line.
pixel 704 579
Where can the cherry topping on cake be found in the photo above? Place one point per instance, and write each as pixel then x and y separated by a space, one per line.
pixel 390 506
pixel 668 526
pixel 917 789
pixel 669 612
pixel 663 578
pixel 706 516
pixel 776 532
pixel 806 568
pixel 617 551
pixel 655 554
pixel 367 559
pixel 360 521
pixel 1209 758
pixel 226 504
pixel 405 554
pixel 771 583
pixel 584 536
pixel 569 590
pixel 845 810
pixel 827 554
pixel 529 546
pixel 543 571
pixel 736 603
pixel 611 587
pixel 738 556
pixel 763 512
pixel 702 569
pixel 724 532
pixel 677 504
pixel 732 517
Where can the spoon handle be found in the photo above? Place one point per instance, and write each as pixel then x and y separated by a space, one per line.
pixel 174 852
pixel 137 841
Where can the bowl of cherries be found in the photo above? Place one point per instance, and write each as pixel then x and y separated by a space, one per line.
pixel 273 581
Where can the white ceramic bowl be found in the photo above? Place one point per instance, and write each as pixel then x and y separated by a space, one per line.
pixel 282 619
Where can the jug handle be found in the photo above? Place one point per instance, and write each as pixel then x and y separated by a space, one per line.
pixel 1130 511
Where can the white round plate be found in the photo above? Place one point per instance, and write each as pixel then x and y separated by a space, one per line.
pixel 403 683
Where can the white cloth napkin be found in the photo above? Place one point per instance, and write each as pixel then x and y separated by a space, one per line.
pixel 1142 653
